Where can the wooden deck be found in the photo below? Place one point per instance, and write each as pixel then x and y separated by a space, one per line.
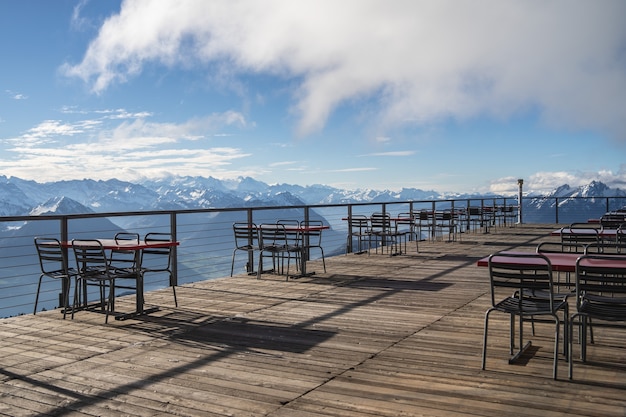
pixel 375 336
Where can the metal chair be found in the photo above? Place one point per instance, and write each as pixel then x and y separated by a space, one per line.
pixel 312 238
pixel 389 237
pixel 123 260
pixel 425 220
pixel 123 263
pixel 246 240
pixel 358 228
pixel 600 295
pixel 444 220
pixel 577 234
pixel 53 264
pixel 275 243
pixel 158 259
pixel 92 267
pixel 525 274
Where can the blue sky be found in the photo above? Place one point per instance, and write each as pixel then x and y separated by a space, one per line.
pixel 446 95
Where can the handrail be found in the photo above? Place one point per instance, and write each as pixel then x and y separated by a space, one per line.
pixel 206 234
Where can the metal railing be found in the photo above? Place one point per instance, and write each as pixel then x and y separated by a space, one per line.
pixel 206 236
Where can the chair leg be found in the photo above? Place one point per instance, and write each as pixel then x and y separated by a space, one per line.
pixel 486 327
pixel 37 296
pixel 173 290
pixel 556 348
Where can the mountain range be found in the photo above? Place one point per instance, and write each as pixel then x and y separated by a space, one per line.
pixel 20 197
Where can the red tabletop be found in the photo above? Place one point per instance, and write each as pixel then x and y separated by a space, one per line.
pixel 128 244
pixel 563 261
pixel 589 231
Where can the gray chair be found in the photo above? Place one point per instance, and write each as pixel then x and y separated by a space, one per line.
pixel 53 264
pixel 384 233
pixel 158 259
pixel 577 234
pixel 312 238
pixel 529 276
pixel 246 240
pixel 600 295
pixel 123 263
pixel 92 265
pixel 275 243
pixel 359 230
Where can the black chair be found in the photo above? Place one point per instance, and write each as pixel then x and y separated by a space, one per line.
pixel 425 220
pixel 445 221
pixel 124 263
pixel 600 295
pixel 53 264
pixel 246 240
pixel 158 259
pixel 358 229
pixel 577 234
pixel 124 260
pixel 389 237
pixel 312 239
pixel 529 276
pixel 274 242
pixel 92 267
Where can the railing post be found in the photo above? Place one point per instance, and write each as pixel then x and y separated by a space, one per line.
pixel 349 242
pixel 556 209
pixel 174 259
pixel 520 218
pixel 250 263
pixel 63 301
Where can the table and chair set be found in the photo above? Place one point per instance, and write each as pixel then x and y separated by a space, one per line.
pixel 108 264
pixel 281 242
pixel 584 273
pixel 383 230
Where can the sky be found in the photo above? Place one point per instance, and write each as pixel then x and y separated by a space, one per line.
pixel 445 95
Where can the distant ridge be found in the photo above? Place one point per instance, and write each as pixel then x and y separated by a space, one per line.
pixel 23 197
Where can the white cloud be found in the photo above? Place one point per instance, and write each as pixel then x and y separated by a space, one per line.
pixel 16 96
pixel 422 61
pixel 110 148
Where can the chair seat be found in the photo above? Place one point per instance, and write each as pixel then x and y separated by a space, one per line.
pixel 529 307
pixel 604 308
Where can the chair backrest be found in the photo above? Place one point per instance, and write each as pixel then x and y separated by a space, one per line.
pixel 475 211
pixel 157 258
pixel 292 231
pixel 245 235
pixel 312 236
pixel 523 273
pixel 574 235
pixel 124 258
pixel 612 220
pixel 600 280
pixel 52 257
pixel 381 222
pixel 359 224
pixel 557 247
pixel 424 216
pixel 90 257
pixel 272 236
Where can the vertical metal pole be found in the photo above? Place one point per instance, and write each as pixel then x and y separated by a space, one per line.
pixel 349 242
pixel 250 263
pixel 174 259
pixel 520 183
pixel 63 297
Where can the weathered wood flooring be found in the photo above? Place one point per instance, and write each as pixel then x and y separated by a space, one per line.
pixel 375 336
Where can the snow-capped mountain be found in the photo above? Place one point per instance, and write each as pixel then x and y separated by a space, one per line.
pixel 22 197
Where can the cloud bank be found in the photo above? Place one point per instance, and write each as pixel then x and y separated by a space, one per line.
pixel 420 62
